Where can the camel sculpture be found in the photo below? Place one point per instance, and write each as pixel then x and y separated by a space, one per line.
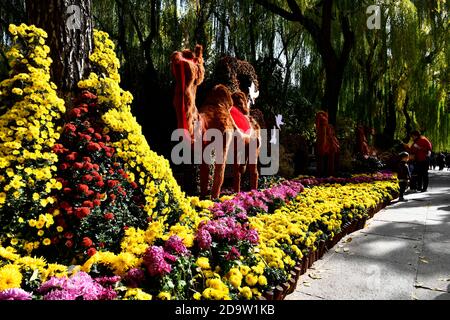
pixel 362 145
pixel 215 113
pixel 361 142
pixel 327 145
pixel 241 79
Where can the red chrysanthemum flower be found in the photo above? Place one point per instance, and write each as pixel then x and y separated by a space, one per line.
pixel 91 252
pixel 76 112
pixel 88 95
pixel 82 212
pixel 109 216
pixel 58 148
pixel 68 235
pixel 64 166
pixel 83 188
pixel 72 156
pixel 112 183
pixel 78 165
pixel 70 127
pixel 87 178
pixel 88 204
pixel 92 146
pixel 87 242
pixel 69 244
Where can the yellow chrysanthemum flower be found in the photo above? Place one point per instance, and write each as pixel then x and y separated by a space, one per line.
pixel 10 277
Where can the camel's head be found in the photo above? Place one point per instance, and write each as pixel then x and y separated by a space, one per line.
pixel 190 65
pixel 189 73
pixel 321 118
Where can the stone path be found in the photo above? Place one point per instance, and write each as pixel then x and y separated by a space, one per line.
pixel 403 253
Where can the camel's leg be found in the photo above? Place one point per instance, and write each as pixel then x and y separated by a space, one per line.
pixel 331 162
pixel 236 172
pixel 320 165
pixel 219 170
pixel 204 179
pixel 253 171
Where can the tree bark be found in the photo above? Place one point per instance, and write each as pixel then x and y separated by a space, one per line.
pixel 391 118
pixel 408 122
pixel 69 37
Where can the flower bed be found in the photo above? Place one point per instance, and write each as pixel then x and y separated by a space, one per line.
pixel 94 214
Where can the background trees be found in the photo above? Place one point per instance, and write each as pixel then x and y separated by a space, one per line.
pixel 309 54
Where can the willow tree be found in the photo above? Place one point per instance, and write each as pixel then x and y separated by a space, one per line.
pixel 320 27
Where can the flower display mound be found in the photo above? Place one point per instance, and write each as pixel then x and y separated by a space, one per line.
pixel 98 200
pixel 89 212
pixel 162 196
pixel 71 189
pixel 28 132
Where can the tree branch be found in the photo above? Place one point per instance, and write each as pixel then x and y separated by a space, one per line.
pixel 136 27
pixel 277 10
pixel 349 39
pixel 296 15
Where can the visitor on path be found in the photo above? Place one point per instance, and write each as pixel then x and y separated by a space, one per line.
pixel 433 160
pixel 413 172
pixel 421 149
pixel 403 174
pixel 441 161
pixel 447 161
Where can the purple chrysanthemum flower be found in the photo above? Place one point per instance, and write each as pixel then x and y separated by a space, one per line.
pixel 15 294
pixel 107 281
pixel 52 283
pixel 175 245
pixel 242 216
pixel 79 286
pixel 135 277
pixel 204 239
pixel 154 260
pixel 233 254
pixel 252 236
pixel 60 295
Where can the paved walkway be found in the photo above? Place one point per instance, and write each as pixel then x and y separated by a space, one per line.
pixel 403 253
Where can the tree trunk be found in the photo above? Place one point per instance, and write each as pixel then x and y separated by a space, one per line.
pixel 408 122
pixel 330 100
pixel 391 119
pixel 252 37
pixel 68 24
pixel 321 34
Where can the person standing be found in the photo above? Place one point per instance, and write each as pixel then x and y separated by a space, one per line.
pixel 441 161
pixel 421 149
pixel 447 161
pixel 403 174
